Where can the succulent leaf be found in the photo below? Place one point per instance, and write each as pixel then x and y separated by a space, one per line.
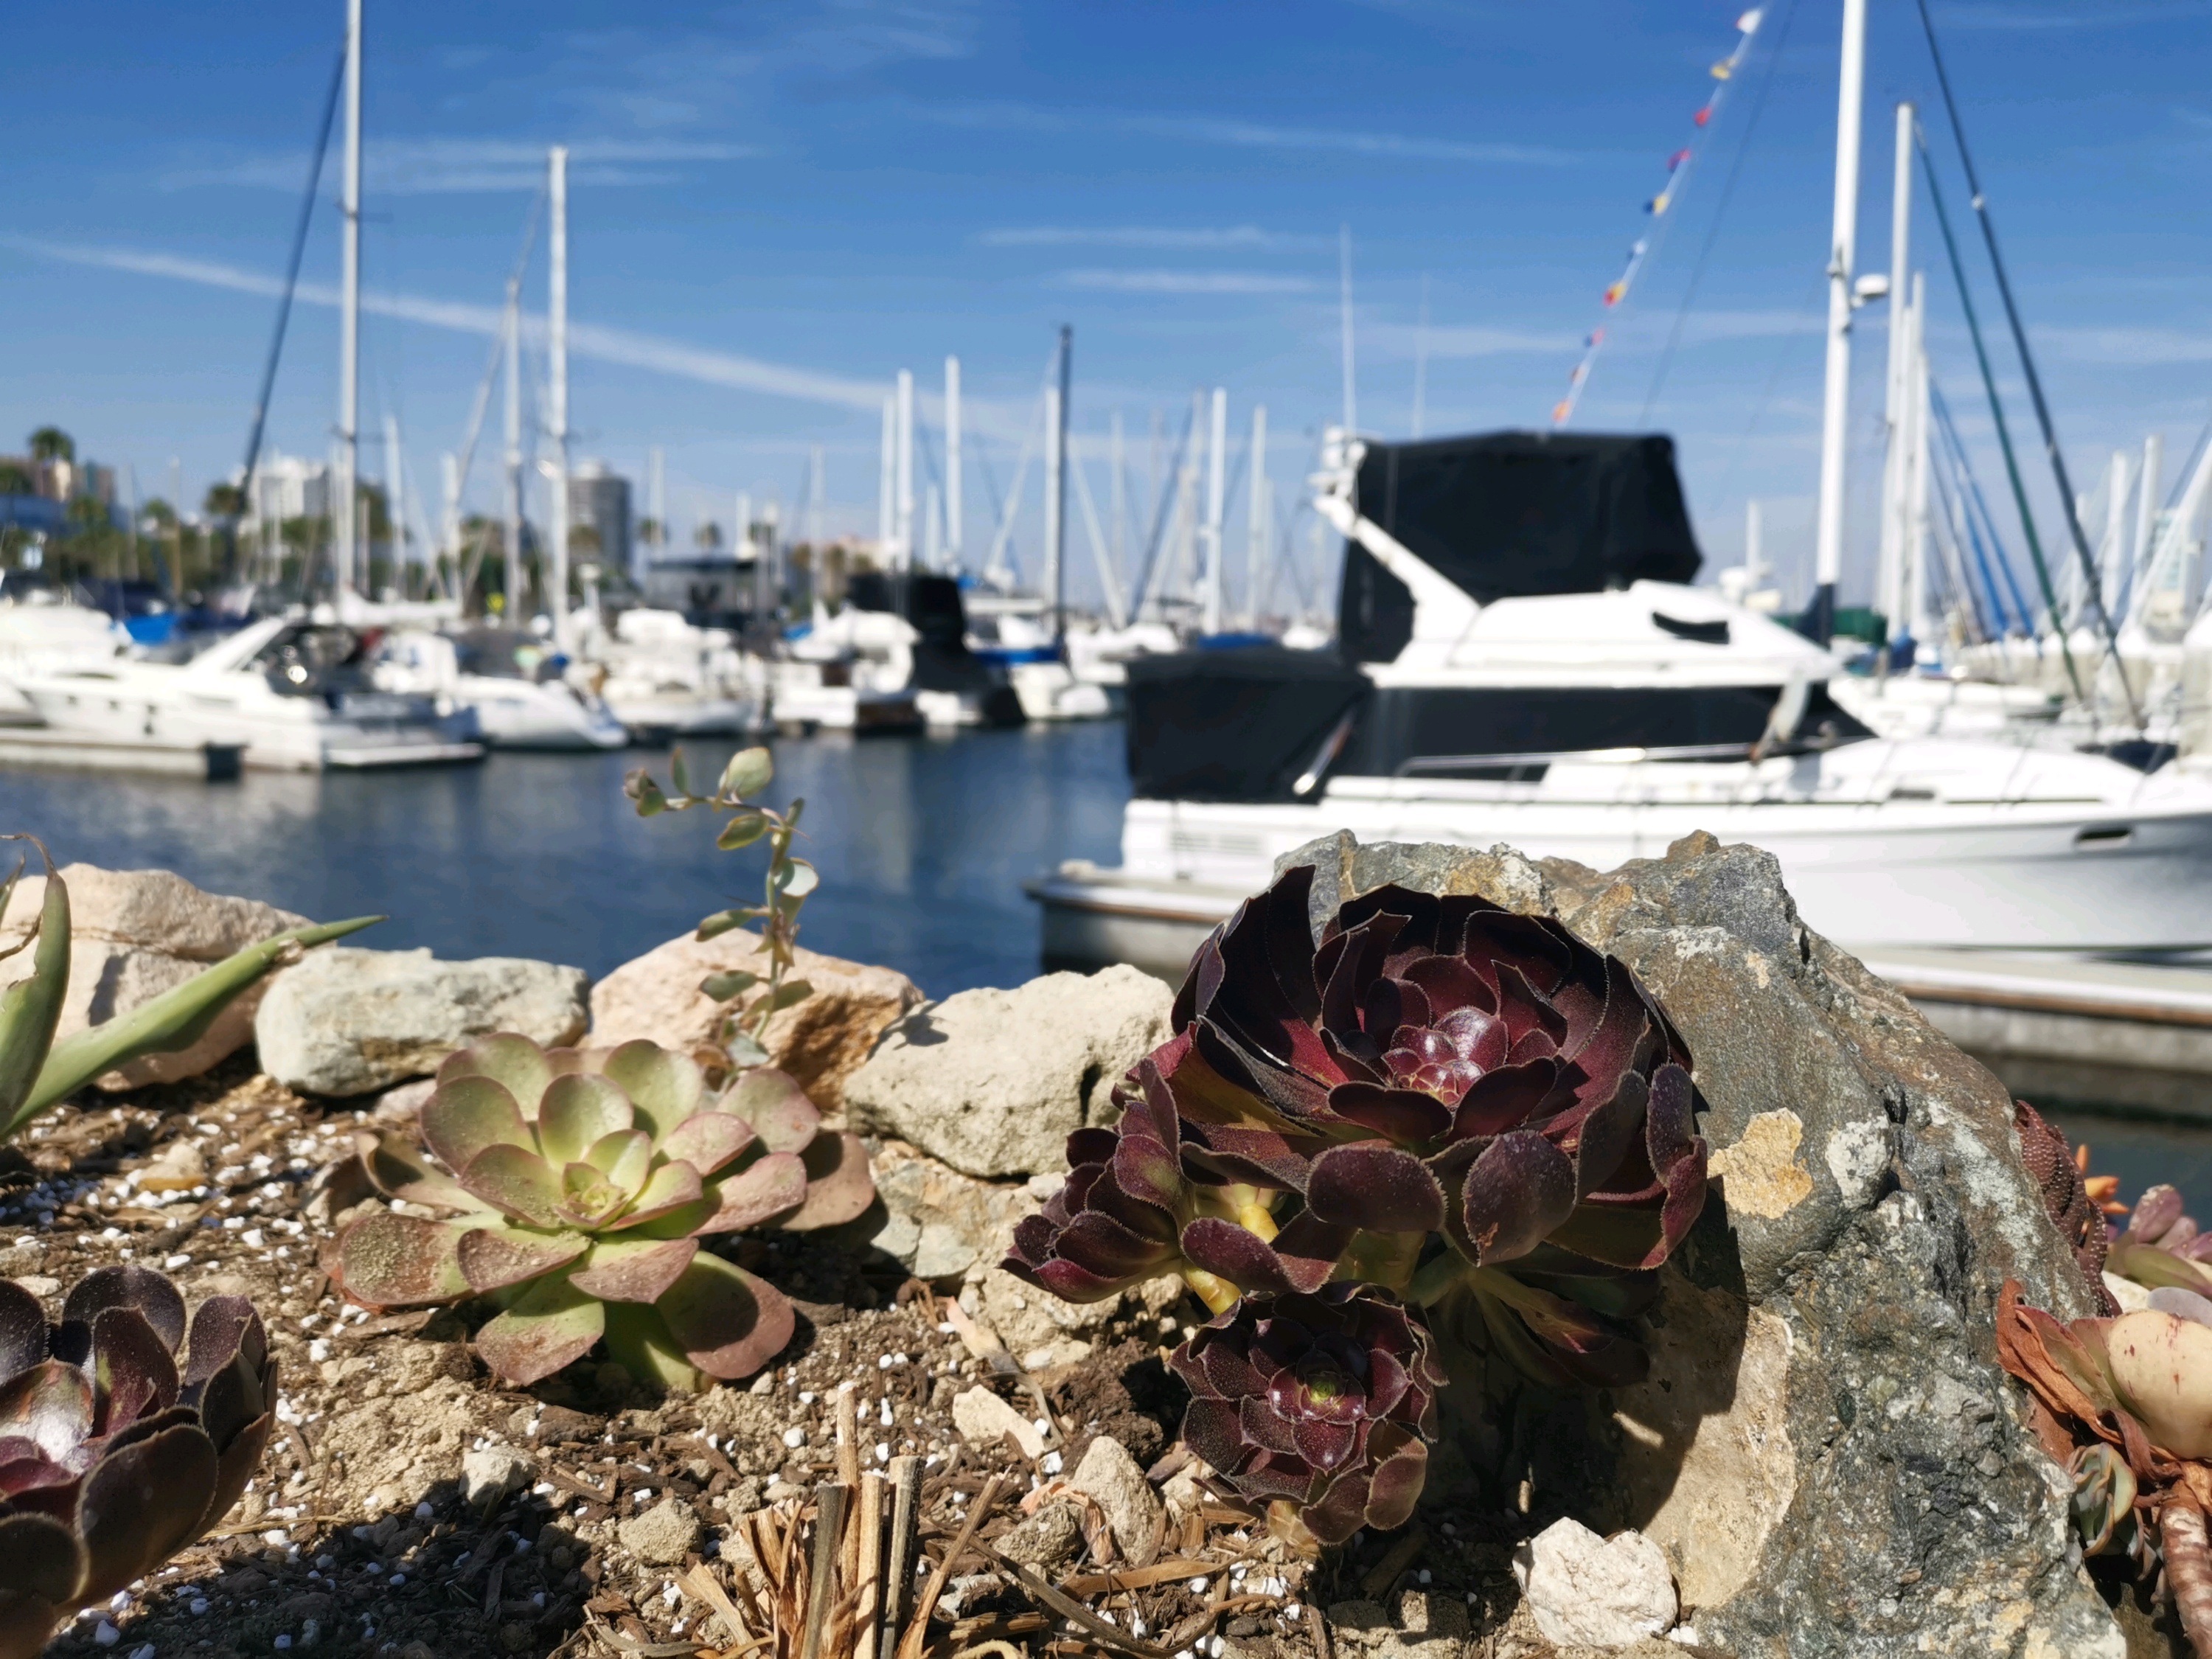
pixel 775 1106
pixel 515 1062
pixel 771 1189
pixel 669 1188
pixel 2162 1368
pixel 517 1183
pixel 468 1115
pixel 634 1269
pixel 547 1326
pixel 495 1256
pixel 725 1321
pixel 839 1186
pixel 391 1261
pixel 664 1088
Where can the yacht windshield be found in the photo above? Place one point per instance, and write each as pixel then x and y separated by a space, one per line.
pixel 505 654
pixel 316 659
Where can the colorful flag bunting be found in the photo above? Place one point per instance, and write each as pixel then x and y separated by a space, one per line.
pixel 1677 165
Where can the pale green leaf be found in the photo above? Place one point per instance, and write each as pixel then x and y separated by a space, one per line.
pixel 721 988
pixel 742 830
pixel 749 772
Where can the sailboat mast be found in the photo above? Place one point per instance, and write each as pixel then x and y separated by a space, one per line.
pixel 903 529
pixel 1255 515
pixel 1894 467
pixel 349 315
pixel 953 505
pixel 1215 479
pixel 1820 623
pixel 395 505
pixel 556 352
pixel 510 559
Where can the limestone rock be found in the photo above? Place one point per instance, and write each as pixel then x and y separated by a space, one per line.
pixel 984 1418
pixel 1827 1450
pixel 821 1041
pixel 992 1082
pixel 1046 1539
pixel 663 1535
pixel 1592 1592
pixel 133 934
pixel 1134 1511
pixel 940 1224
pixel 349 1022
pixel 491 1473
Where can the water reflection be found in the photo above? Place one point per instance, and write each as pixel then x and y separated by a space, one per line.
pixel 922 846
pixel 2143 1153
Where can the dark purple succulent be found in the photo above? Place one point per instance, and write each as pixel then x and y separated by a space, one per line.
pixel 1326 1401
pixel 115 1452
pixel 1443 1097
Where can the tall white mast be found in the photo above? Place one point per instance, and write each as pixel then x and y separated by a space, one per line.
pixel 933 529
pixel 511 549
pixel 449 534
pixel 954 507
pixel 395 504
pixel 1920 595
pixel 1754 558
pixel 1120 494
pixel 903 529
pixel 887 485
pixel 1256 517
pixel 349 318
pixel 1056 509
pixel 1215 479
pixel 2111 554
pixel 2147 489
pixel 1894 465
pixel 818 504
pixel 1836 406
pixel 1343 301
pixel 556 374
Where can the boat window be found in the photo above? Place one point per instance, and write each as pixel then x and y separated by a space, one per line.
pixel 1698 633
pixel 1406 724
pixel 504 653
pixel 314 660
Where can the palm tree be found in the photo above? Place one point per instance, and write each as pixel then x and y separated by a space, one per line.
pixel 224 500
pixel 16 480
pixel 50 443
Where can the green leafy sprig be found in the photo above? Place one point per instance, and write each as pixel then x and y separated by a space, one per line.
pixel 784 889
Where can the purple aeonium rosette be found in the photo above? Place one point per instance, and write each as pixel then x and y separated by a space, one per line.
pixel 1327 1401
pixel 1470 1110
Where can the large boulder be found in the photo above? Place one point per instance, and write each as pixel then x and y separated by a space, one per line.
pixel 1826 1449
pixel 820 1043
pixel 133 934
pixel 347 1023
pixel 992 1082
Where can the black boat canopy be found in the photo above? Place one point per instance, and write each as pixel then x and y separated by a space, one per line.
pixel 1508 513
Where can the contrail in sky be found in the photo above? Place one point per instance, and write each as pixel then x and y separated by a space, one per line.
pixel 611 345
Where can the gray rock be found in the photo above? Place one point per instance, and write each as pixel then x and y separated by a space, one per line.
pixel 992 1082
pixel 135 934
pixel 349 1022
pixel 1827 1449
pixel 491 1473
pixel 1045 1539
pixel 1134 1514
pixel 663 1535
pixel 940 1224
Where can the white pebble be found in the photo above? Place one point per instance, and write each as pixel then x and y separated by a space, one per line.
pixel 806 1399
pixel 887 1419
pixel 199 1605
pixel 276 1535
pixel 1044 1426
pixel 882 1453
pixel 252 1238
pixel 883 1363
pixel 397 1579
pixel 144 1650
pixel 423 1511
pixel 794 1438
pixel 1198 1587
pixel 319 1349
pixel 174 1263
pixel 283 1642
pixel 108 1635
pixel 1051 1463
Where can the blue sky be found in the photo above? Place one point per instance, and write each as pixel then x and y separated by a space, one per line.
pixel 777 205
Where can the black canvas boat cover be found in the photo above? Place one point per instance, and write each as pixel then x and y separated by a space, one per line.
pixel 942 661
pixel 1509 513
pixel 1239 724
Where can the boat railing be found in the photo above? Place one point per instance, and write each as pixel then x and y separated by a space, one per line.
pixel 1422 765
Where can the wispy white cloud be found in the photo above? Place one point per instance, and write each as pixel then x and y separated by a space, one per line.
pixel 1187 282
pixel 1242 134
pixel 624 346
pixel 2128 347
pixel 1400 340
pixel 417 166
pixel 1144 236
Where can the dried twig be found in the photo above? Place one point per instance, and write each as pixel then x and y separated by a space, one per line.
pixel 830 1499
pixel 1067 1607
pixel 898 1562
pixel 868 1580
pixel 1400 1557
pixel 917 1630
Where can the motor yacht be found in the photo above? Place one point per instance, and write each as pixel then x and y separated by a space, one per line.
pixel 510 680
pixel 42 631
pixel 666 678
pixel 297 694
pixel 1523 662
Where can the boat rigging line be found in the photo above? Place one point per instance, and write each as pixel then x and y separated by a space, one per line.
pixel 292 271
pixel 1720 215
pixel 2093 583
pixel 1997 412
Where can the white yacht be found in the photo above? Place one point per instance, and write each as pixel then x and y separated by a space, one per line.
pixel 297 694
pixel 41 631
pixel 511 680
pixel 664 678
pixel 1538 674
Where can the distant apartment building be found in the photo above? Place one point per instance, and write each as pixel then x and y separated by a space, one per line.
pixel 600 496
pixel 287 487
pixel 53 485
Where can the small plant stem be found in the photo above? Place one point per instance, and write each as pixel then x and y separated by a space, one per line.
pixel 898 1565
pixel 1218 1294
pixel 2189 1571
